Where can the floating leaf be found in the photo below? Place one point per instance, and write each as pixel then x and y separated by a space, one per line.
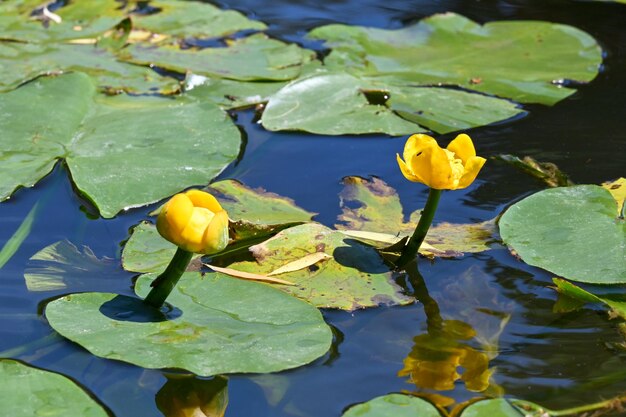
pixel 616 302
pixel 227 325
pixel 230 94
pixel 355 278
pixel 494 407
pixel 617 189
pixel 26 392
pixel 545 171
pixel 117 164
pixel 527 59
pixel 256 57
pixel 331 104
pixel 370 205
pixel 26 61
pixel 194 19
pixel 393 405
pixel 62 266
pixel 572 232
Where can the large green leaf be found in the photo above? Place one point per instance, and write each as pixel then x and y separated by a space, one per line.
pixel 194 19
pixel 370 205
pixel 255 57
pixel 496 407
pixel 227 325
pixel 355 277
pixel 393 405
pixel 527 59
pixel 573 232
pixel 122 151
pixel 20 62
pixel 26 392
pixel 337 103
pixel 331 104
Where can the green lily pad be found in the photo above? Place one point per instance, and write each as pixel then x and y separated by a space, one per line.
pixel 21 62
pixel 573 232
pixel 194 19
pixel 62 266
pixel 527 59
pixel 170 144
pixel 225 325
pixel 393 405
pixel 371 205
pixel 255 57
pixel 331 104
pixel 230 94
pixel 495 407
pixel 572 297
pixel 26 392
pixel 355 277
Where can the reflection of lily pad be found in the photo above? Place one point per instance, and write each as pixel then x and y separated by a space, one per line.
pixel 355 277
pixel 28 392
pixel 256 57
pixel 194 19
pixel 573 232
pixel 372 205
pixel 393 405
pixel 525 58
pixel 227 325
pixel 122 152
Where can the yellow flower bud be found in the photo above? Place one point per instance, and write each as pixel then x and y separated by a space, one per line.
pixel 195 222
pixel 452 168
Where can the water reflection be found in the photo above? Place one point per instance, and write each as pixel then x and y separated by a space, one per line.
pixel 189 396
pixel 458 349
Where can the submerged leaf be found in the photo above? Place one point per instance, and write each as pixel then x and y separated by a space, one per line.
pixel 573 232
pixel 15 241
pixel 217 325
pixel 193 397
pixel 572 297
pixel 545 171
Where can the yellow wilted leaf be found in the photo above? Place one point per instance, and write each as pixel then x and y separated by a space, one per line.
pixel 618 189
pixel 304 262
pixel 248 275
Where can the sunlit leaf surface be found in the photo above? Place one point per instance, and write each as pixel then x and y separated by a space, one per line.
pixel 393 405
pixel 26 392
pixel 355 277
pixel 122 151
pixel 496 407
pixel 527 59
pixel 573 232
pixel 218 325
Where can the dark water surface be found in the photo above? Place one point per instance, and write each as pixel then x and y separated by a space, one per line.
pixel 558 360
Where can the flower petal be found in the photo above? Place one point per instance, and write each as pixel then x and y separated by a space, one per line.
pixel 463 147
pixel 216 235
pixel 416 144
pixel 174 217
pixel 203 199
pixel 472 167
pixel 433 166
pixel 407 172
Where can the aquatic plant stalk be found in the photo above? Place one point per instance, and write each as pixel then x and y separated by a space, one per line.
pixel 410 250
pixel 163 285
pixel 606 404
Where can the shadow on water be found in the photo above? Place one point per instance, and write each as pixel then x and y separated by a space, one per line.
pixel 125 308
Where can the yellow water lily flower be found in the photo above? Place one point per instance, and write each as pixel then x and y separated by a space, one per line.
pixel 452 168
pixel 194 221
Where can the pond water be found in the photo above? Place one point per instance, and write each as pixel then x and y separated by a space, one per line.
pixel 558 360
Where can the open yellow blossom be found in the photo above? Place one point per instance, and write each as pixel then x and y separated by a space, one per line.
pixel 195 222
pixel 452 168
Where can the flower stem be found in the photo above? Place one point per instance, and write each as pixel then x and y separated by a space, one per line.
pixel 410 250
pixel 606 404
pixel 163 285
